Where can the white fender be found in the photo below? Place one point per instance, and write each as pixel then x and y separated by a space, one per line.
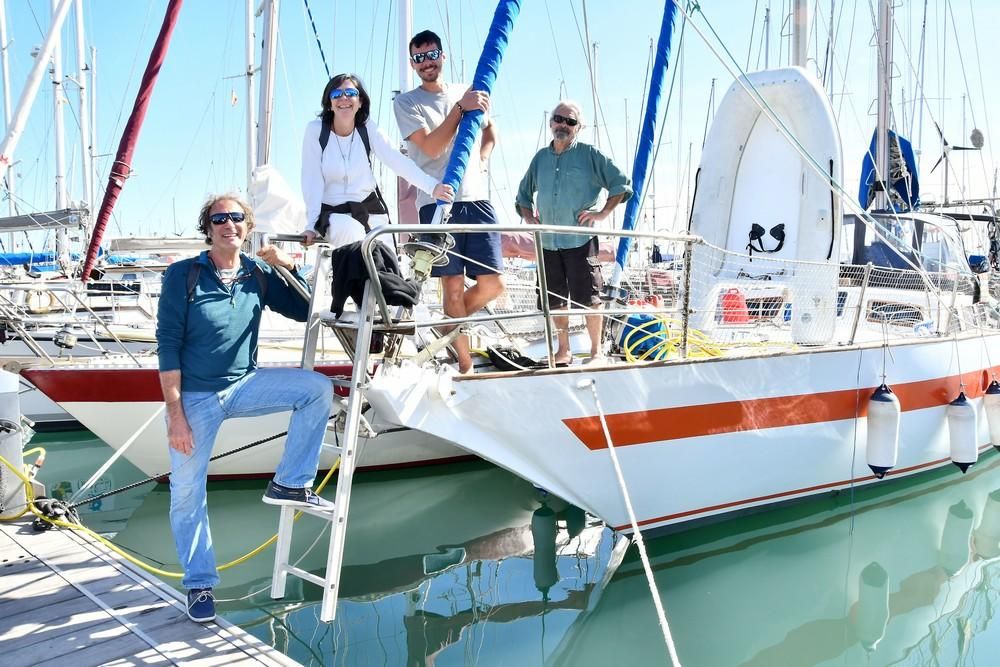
pixel 751 174
pixel 883 431
pixel 872 614
pixel 962 427
pixel 991 401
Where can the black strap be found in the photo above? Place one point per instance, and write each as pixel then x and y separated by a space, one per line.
pixel 194 273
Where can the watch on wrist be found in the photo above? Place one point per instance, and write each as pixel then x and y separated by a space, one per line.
pixel 461 110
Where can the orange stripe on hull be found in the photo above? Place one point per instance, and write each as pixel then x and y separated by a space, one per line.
pixel 690 421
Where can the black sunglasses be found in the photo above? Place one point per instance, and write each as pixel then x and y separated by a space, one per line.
pixel 418 58
pixel 221 218
pixel 572 122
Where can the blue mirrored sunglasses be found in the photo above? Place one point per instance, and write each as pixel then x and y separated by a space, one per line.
pixel 337 93
pixel 221 218
pixel 418 58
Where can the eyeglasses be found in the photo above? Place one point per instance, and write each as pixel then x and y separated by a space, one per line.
pixel 418 58
pixel 572 122
pixel 337 93
pixel 221 218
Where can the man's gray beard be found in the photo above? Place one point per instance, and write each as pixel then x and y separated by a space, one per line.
pixel 560 134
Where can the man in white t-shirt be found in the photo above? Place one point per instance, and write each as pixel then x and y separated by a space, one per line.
pixel 428 118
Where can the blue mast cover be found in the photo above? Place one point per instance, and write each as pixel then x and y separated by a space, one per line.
pixel 486 75
pixel 907 189
pixel 644 149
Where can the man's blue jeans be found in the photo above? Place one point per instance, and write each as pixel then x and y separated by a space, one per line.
pixel 309 395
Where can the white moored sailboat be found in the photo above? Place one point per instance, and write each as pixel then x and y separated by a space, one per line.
pixel 753 383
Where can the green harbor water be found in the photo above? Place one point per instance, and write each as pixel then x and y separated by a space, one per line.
pixel 469 565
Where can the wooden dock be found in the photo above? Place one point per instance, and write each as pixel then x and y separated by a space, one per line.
pixel 65 599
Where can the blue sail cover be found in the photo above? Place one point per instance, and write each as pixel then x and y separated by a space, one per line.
pixel 644 149
pixel 908 190
pixel 486 75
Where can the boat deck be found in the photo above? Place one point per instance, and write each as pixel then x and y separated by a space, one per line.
pixel 67 599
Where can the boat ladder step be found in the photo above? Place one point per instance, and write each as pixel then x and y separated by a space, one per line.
pixel 354 425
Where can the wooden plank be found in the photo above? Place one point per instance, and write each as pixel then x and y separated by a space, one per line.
pixel 48 615
pixel 66 612
pixel 105 641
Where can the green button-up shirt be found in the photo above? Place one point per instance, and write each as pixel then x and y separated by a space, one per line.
pixel 560 186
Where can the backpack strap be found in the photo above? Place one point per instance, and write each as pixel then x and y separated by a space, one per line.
pixel 363 133
pixel 324 139
pixel 194 272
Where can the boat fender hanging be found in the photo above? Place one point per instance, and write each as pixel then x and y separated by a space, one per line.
pixel 962 428
pixel 883 430
pixel 991 401
pixel 38 302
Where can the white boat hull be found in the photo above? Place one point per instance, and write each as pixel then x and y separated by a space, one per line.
pixel 120 405
pixel 704 437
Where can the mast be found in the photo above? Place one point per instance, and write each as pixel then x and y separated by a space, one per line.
pixel 58 100
pixel 251 116
pixel 800 33
pixel 267 61
pixel 5 66
pixel 405 30
pixel 15 126
pixel 592 58
pixel 93 128
pixel 767 37
pixel 884 99
pixel 86 148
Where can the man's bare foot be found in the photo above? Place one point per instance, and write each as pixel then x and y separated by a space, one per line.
pixel 562 359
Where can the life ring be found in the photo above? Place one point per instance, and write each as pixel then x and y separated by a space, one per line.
pixel 38 302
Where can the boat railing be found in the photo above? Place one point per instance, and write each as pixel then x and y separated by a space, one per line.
pixel 30 306
pixel 705 301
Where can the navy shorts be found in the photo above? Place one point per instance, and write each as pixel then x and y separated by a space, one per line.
pixel 473 254
pixel 574 273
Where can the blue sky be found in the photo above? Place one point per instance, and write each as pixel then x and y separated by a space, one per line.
pixel 193 141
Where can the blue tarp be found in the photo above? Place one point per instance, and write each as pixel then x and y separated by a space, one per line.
pixel 647 139
pixel 486 74
pixel 908 189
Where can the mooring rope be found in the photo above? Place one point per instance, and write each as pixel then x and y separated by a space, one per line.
pixel 636 533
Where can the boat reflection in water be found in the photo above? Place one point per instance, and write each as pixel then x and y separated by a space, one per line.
pixel 890 577
pixel 434 561
pixel 468 564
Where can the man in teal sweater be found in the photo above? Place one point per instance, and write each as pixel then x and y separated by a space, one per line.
pixel 561 187
pixel 209 317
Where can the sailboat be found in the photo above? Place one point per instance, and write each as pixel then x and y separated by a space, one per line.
pixel 807 349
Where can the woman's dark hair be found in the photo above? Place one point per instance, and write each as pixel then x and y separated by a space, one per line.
pixel 204 224
pixel 361 117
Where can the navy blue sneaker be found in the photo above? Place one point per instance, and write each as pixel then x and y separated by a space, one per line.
pixel 201 605
pixel 276 494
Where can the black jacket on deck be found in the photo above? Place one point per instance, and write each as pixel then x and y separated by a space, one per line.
pixel 350 275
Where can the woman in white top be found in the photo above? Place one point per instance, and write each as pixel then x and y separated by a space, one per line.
pixel 338 185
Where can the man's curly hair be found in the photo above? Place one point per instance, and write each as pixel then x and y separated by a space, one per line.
pixel 204 224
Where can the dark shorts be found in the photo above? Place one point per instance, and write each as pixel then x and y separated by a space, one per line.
pixel 574 273
pixel 473 254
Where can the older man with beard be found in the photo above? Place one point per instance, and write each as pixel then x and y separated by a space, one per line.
pixel 562 187
pixel 428 118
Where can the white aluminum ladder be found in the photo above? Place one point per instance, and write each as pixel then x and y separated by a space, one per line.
pixel 330 582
